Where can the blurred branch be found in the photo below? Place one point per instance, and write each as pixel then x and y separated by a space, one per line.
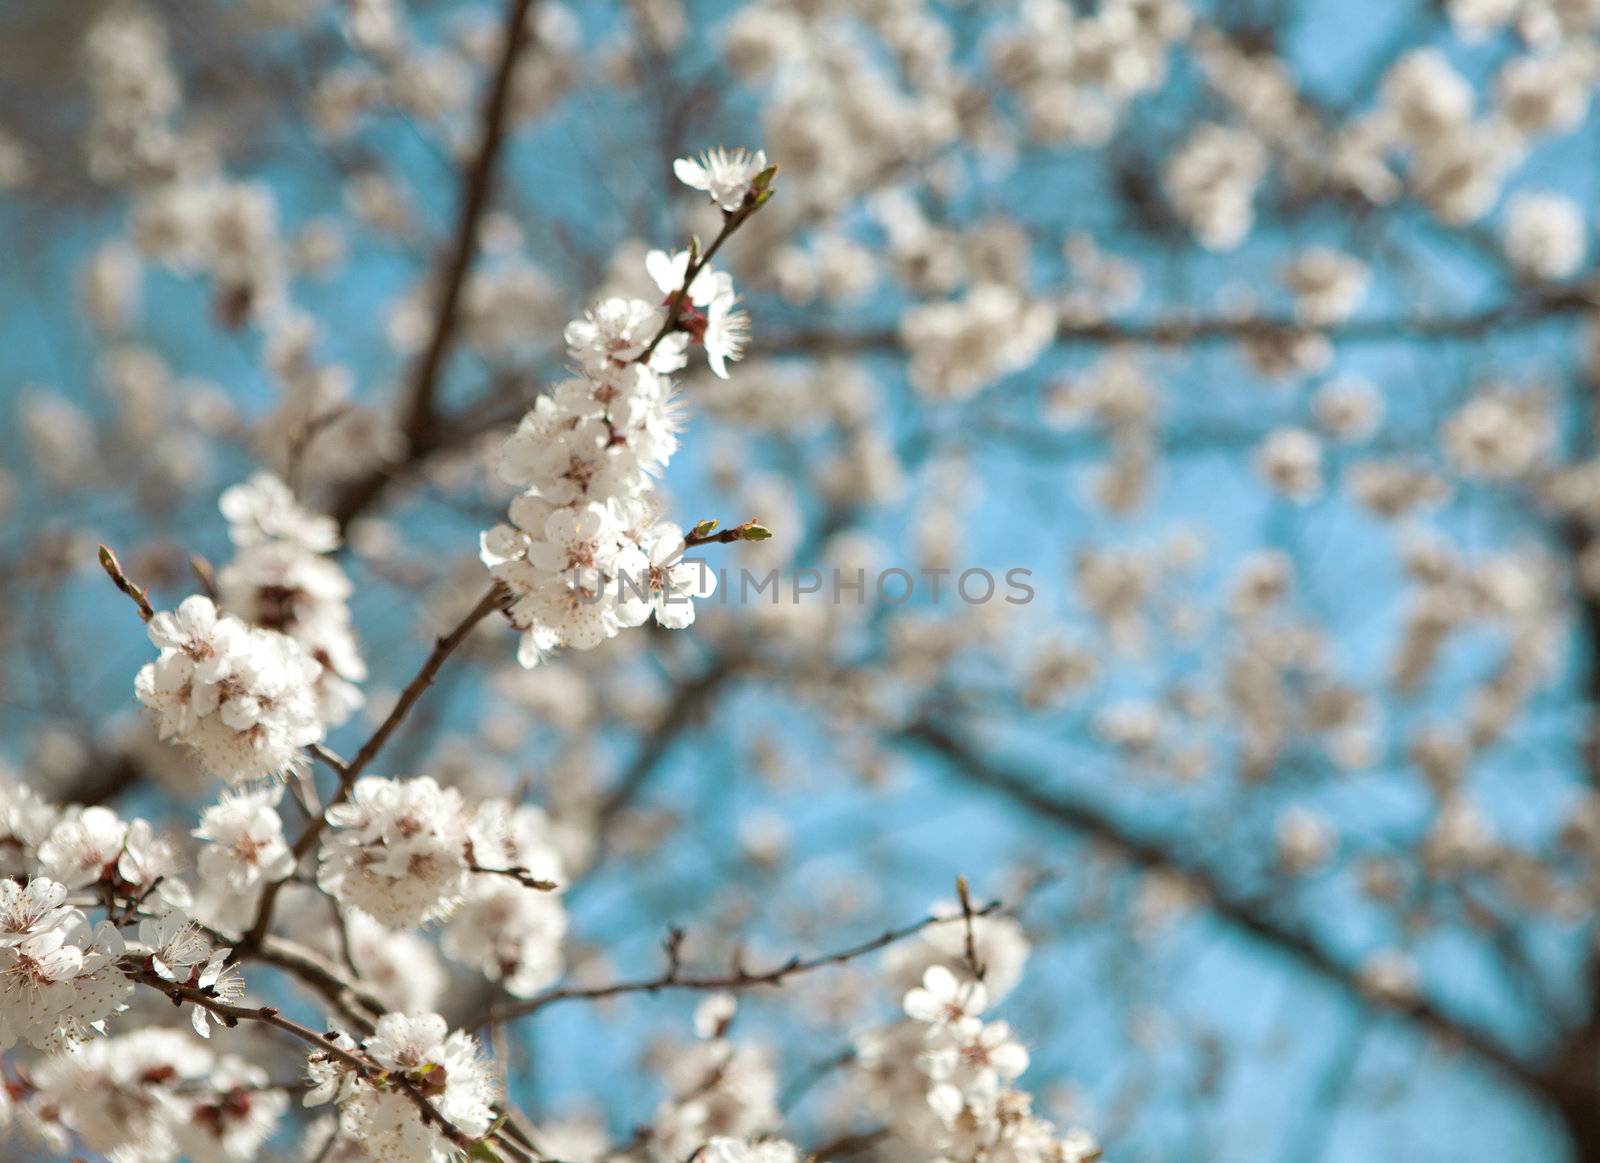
pixel 1181 331
pixel 477 185
pixel 691 698
pixel 443 435
pixel 1246 914
pixel 737 978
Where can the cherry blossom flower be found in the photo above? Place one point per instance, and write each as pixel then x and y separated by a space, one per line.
pixel 944 999
pixel 243 699
pixel 725 177
pixel 58 983
pixel 396 850
pixel 445 1066
pixel 244 843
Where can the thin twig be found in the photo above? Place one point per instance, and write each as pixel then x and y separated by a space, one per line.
pixel 113 568
pixel 519 874
pixel 477 184
pixel 231 1015
pixel 964 892
pixel 738 978
pixel 206 576
pixel 731 221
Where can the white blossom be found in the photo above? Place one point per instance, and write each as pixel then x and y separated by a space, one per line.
pixel 1545 237
pixel 585 555
pixel 243 699
pixel 244 843
pixel 958 348
pixel 445 1066
pixel 1290 460
pixel 1327 285
pixel 510 932
pixel 59 979
pixel 120 1095
pixel 725 177
pixel 1212 182
pixel 396 850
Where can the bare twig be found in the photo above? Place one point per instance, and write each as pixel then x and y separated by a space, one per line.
pixel 206 576
pixel 443 648
pixel 738 978
pixel 346 996
pixel 964 892
pixel 113 568
pixel 477 183
pixel 521 875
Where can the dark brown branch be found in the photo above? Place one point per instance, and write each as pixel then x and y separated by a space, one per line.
pixel 443 648
pixel 1029 790
pixel 1188 331
pixel 101 779
pixel 521 875
pixel 852 1144
pixel 444 435
pixel 476 188
pixel 346 997
pixel 737 978
pixel 231 1015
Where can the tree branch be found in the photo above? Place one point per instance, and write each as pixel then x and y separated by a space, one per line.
pixel 232 1015
pixel 477 185
pixel 737 978
pixel 1028 789
pixel 1181 331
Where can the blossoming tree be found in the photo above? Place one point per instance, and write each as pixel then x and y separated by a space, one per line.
pixel 648 657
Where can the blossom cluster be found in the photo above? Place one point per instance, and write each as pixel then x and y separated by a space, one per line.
pixel 910 249
pixel 153 1094
pixel 156 1094
pixel 242 698
pixel 246 681
pixel 587 552
pixel 944 1077
pixel 377 1117
pixel 409 852
pixel 717 1088
pixel 58 975
pixel 283 578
